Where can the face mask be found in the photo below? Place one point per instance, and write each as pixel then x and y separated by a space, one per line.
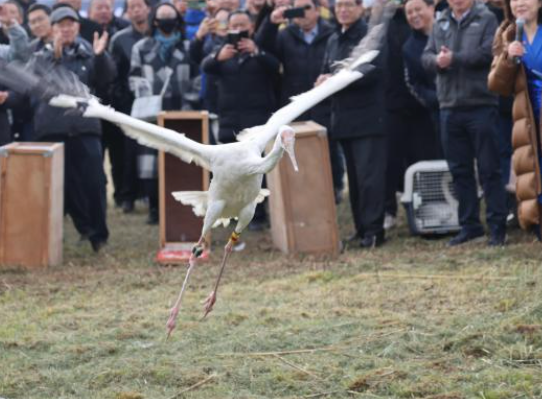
pixel 167 25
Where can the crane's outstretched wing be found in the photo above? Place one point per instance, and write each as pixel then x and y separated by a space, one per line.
pixel 144 133
pixel 61 88
pixel 348 71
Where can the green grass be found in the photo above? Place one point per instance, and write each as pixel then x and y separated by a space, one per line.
pixel 412 319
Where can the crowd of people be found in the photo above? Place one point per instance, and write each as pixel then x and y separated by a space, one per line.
pixel 447 83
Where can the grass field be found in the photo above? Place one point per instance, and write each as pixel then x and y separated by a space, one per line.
pixel 412 319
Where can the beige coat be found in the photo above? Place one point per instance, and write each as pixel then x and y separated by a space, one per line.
pixel 508 78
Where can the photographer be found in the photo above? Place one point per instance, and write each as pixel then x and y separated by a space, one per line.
pixel 245 75
pixel 300 47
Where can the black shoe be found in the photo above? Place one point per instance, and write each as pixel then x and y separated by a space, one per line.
pixel 465 236
pixel 97 245
pixel 127 206
pixel 372 241
pixel 153 218
pixel 352 237
pixel 497 237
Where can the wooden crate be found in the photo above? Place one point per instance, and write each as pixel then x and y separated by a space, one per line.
pixel 180 229
pixel 31 204
pixel 302 204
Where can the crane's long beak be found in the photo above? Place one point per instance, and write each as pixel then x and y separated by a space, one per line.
pixel 290 150
pixel 287 136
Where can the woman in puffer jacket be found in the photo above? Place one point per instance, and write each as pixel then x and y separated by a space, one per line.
pixel 517 70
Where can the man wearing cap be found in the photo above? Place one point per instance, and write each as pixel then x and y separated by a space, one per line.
pixel 84 175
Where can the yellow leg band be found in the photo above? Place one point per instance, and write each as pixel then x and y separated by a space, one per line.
pixel 234 237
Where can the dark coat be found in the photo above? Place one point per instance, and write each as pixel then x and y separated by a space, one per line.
pixel 245 90
pixel 87 29
pixel 464 83
pixel 120 48
pixel 302 64
pixel 146 63
pixel 97 72
pixel 357 110
pixel 420 82
pixel 116 25
pixel 398 97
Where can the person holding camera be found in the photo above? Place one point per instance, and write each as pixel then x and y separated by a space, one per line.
pixel 300 47
pixel 245 76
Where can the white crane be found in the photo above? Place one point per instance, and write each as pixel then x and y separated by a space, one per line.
pixel 237 168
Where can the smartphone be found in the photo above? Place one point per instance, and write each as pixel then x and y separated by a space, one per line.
pixel 235 36
pixel 291 13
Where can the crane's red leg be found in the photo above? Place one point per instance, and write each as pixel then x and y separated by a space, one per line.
pixel 211 299
pixel 196 252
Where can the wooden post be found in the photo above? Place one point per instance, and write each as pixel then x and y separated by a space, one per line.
pixel 302 204
pixel 180 229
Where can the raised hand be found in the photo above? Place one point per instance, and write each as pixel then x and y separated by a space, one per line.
pixel 100 43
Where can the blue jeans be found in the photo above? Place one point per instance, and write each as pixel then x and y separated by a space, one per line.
pixel 469 134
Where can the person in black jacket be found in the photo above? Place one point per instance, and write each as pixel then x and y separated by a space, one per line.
pixel 357 122
pixel 120 47
pixel 245 75
pixel 411 135
pixel 101 12
pixel 300 47
pixel 84 187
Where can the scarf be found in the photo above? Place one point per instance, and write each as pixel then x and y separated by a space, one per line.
pixel 167 44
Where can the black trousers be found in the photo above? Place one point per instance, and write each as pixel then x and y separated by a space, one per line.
pixel 411 138
pixel 468 134
pixel 336 157
pixel 113 142
pixel 84 184
pixel 130 188
pixel 366 167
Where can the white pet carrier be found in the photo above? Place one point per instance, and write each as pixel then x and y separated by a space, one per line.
pixel 429 199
